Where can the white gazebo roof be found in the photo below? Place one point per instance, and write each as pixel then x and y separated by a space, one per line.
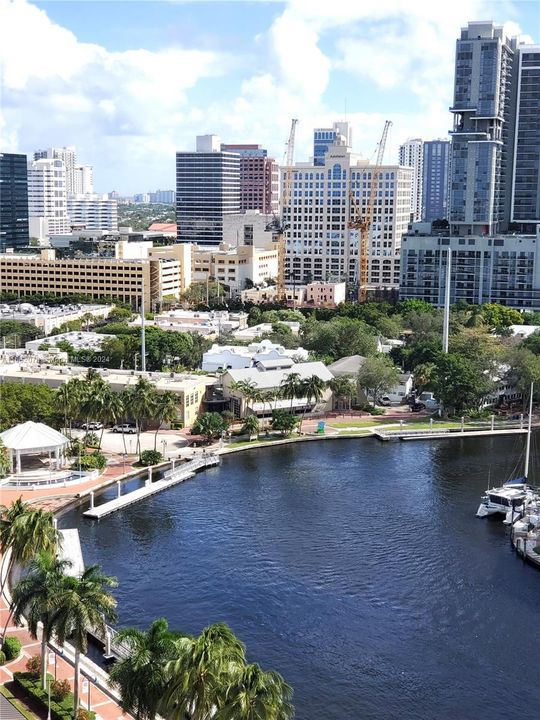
pixel 30 437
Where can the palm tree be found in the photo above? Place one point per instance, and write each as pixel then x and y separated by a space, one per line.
pixel 25 532
pixel 141 401
pixel 111 410
pixel 82 604
pixel 251 425
pixel 246 388
pixel 342 387
pixel 197 677
pixel 166 410
pixel 291 386
pixel 254 694
pixel 34 597
pixel 313 388
pixel 141 677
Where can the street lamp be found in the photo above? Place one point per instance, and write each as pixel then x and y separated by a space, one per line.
pixel 49 696
pixel 164 444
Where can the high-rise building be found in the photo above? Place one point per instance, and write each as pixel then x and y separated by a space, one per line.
pixel 525 210
pixel 47 199
pixel 259 178
pixel 411 155
pixel 83 179
pixel 67 155
pixel 435 190
pixel 320 244
pixel 324 138
pixel 13 201
pixel 482 134
pixel 207 188
pixel 163 196
pixel 92 211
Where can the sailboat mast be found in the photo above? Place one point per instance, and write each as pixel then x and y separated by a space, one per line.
pixel 529 426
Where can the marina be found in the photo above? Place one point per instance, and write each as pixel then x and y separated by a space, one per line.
pixel 170 478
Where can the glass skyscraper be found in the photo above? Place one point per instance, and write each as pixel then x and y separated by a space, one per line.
pixel 13 201
pixel 435 180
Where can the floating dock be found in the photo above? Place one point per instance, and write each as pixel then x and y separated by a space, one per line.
pixel 441 434
pixel 70 549
pixel 170 478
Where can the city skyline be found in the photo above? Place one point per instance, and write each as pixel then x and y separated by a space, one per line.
pixel 123 101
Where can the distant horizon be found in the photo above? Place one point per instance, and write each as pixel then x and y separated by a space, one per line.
pixel 131 92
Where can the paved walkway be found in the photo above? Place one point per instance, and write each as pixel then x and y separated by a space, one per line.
pixel 8 711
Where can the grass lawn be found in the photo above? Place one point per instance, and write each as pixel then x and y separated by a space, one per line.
pixel 360 423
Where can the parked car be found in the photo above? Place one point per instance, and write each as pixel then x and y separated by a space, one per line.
pixel 385 401
pixel 92 426
pixel 417 407
pixel 125 428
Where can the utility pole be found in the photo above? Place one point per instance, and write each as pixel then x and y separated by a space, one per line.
pixel 446 321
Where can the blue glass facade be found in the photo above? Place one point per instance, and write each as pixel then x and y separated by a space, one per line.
pixel 435 180
pixel 13 201
pixel 322 140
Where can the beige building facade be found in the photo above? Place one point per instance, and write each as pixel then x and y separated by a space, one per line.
pixel 233 266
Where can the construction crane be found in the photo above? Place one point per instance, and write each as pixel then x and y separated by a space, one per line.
pixel 362 221
pixel 278 224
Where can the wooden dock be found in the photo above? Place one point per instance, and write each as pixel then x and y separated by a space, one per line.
pixel 171 477
pixel 443 434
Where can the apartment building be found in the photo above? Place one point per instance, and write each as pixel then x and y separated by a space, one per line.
pixel 83 179
pixel 93 212
pixel 47 197
pixel 161 274
pixel 320 244
pixel 235 266
pixel 68 156
pixel 435 186
pixel 259 178
pixel 411 154
pixel 501 269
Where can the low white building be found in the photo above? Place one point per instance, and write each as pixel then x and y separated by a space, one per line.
pixel 268 294
pixel 255 331
pixel 79 340
pixel 235 266
pixel 402 390
pixel 264 353
pixel 521 332
pixel 270 381
pixel 210 324
pixel 48 317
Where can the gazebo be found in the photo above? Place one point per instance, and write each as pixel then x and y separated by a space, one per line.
pixel 31 438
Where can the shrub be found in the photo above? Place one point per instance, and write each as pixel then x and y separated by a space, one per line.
pixel 2 657
pixel 151 457
pixel 12 648
pixel 33 665
pixel 60 689
pixel 91 440
pixel 91 462
pixel 83 714
pixel 31 686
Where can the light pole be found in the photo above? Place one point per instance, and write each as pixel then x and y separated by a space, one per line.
pixel 164 444
pixel 49 697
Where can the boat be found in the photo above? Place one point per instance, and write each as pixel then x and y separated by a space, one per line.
pixel 514 497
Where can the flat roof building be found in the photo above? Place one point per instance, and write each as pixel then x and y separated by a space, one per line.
pixel 14 231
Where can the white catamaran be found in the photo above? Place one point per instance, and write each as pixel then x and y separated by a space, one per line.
pixel 512 498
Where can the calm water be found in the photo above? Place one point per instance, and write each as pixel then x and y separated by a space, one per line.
pixel 355 568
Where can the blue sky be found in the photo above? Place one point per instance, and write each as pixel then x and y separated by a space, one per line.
pixel 128 83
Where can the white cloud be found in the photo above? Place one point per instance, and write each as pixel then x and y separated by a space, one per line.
pixel 127 112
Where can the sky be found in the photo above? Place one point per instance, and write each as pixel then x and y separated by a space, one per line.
pixel 129 83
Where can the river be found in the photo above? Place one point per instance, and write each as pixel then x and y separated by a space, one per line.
pixel 355 568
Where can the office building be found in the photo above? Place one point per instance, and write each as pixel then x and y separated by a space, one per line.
pixel 248 228
pixel 525 211
pixel 435 187
pixel 411 155
pixel 93 212
pixel 167 197
pixel 13 201
pixel 68 157
pixel 235 267
pixel 207 189
pixel 161 272
pixel 259 178
pixel 500 269
pixel 47 198
pixel 320 244
pixel 83 180
pixel 324 138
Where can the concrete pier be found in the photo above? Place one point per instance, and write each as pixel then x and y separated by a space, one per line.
pixel 170 478
pixel 446 433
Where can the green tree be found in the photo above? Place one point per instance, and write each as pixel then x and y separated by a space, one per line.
pixel 250 425
pixel 34 598
pixel 209 424
pixel 140 677
pixel 197 679
pixel 376 376
pixel 140 399
pixel 291 387
pixel 166 410
pixel 283 421
pixel 496 315
pixel 423 374
pixel 343 388
pixel 458 384
pixel 312 389
pixel 524 368
pixel 5 463
pixel 82 605
pixel 255 694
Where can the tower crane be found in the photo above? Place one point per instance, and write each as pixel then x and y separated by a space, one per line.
pixel 278 224
pixel 362 221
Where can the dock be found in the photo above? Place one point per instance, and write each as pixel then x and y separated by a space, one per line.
pixel 70 549
pixel 170 478
pixel 442 434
